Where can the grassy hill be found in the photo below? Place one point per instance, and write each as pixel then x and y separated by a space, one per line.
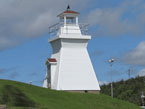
pixel 20 95
pixel 129 90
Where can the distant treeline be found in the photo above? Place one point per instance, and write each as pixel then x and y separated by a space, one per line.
pixel 128 90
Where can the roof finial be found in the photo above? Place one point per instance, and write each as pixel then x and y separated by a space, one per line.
pixel 68 7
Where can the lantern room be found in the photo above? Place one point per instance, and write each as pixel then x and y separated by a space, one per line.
pixel 69 16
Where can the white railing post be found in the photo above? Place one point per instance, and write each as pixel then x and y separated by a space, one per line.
pixel 64 20
pixel 77 20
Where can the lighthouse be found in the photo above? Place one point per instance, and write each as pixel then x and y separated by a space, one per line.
pixel 70 68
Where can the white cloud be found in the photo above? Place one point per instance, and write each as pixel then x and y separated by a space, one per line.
pixel 142 72
pixel 6 70
pixel 97 53
pixel 103 82
pixel 13 75
pixel 127 18
pixel 30 18
pixel 135 56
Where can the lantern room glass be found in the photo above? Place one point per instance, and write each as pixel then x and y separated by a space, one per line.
pixel 69 20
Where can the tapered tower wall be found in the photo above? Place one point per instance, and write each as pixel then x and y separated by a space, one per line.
pixel 74 70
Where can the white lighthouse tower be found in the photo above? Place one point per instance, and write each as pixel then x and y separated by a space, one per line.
pixel 70 67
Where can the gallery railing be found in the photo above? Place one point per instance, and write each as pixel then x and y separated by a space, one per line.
pixel 53 30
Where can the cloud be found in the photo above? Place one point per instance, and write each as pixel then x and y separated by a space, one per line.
pixel 126 18
pixel 13 75
pixel 33 74
pixel 142 72
pixel 12 72
pixel 6 70
pixel 24 20
pixel 136 56
pixel 103 82
pixel 116 72
pixel 97 53
pixel 21 20
pixel 2 71
pixel 38 81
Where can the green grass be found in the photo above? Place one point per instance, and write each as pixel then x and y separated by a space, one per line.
pixel 22 96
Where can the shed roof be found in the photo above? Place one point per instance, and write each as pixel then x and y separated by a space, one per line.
pixel 52 60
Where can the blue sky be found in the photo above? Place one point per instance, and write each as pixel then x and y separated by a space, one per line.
pixel 117 29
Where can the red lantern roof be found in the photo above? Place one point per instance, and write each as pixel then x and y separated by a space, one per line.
pixel 71 12
pixel 68 13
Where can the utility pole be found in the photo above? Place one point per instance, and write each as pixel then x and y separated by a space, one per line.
pixel 142 96
pixel 111 61
pixel 129 73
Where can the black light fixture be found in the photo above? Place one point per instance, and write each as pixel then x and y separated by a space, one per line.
pixel 68 7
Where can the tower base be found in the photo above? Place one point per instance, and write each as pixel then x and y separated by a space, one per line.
pixel 84 91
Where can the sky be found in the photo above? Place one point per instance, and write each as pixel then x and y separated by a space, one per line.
pixel 116 26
